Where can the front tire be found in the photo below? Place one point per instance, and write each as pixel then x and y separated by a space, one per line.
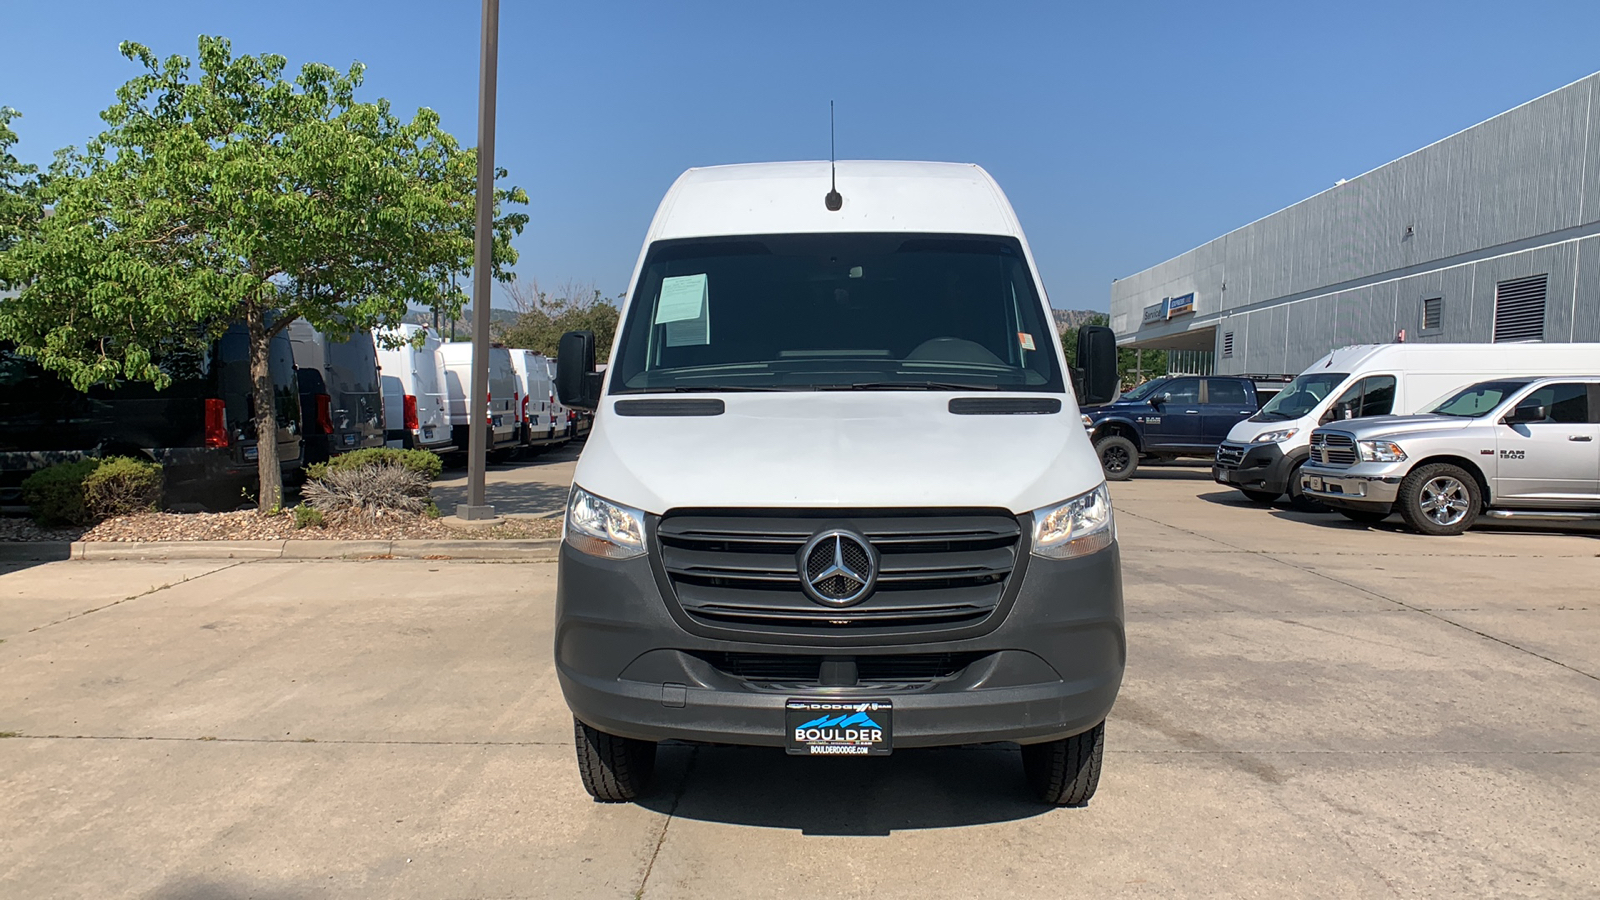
pixel 1440 499
pixel 1118 457
pixel 1066 772
pixel 1298 501
pixel 614 769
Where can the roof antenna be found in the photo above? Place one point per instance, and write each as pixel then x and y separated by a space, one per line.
pixel 833 201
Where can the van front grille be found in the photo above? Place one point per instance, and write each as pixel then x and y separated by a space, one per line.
pixel 804 671
pixel 1229 456
pixel 936 569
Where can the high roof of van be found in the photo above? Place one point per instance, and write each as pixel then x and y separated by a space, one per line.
pixel 1491 359
pixel 879 195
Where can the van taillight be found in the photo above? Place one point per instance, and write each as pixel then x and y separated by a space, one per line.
pixel 325 413
pixel 216 422
pixel 411 413
pixel 525 408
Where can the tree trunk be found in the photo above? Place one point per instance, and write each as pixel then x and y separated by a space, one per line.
pixel 270 496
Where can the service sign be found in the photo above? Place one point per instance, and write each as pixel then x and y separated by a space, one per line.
pixel 1177 306
pixel 1155 312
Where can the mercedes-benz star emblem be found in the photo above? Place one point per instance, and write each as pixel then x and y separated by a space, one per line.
pixel 838 568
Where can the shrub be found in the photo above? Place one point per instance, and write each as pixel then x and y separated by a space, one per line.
pixel 423 462
pixel 120 486
pixel 55 493
pixel 368 490
pixel 308 517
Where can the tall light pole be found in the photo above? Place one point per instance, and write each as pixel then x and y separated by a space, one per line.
pixel 476 506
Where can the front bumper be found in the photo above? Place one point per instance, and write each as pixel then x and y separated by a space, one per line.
pixel 1253 467
pixel 1372 486
pixel 1050 669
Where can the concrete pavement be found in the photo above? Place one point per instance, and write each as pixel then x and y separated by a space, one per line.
pixel 536 486
pixel 1312 708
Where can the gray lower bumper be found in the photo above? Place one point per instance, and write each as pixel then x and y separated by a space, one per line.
pixel 1050 669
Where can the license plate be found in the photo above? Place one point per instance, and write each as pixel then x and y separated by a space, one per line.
pixel 821 727
pixel 427 434
pixel 1313 483
pixel 252 453
pixel 495 422
pixel 349 440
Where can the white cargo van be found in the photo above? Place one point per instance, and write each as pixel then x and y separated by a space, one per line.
pixel 539 428
pixel 503 394
pixel 415 408
pixel 1263 454
pixel 837 498
pixel 558 413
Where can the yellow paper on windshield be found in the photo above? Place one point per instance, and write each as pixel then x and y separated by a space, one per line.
pixel 683 297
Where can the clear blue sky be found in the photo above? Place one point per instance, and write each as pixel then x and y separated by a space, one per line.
pixel 1124 133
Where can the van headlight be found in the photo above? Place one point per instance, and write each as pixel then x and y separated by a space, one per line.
pixel 1380 451
pixel 598 527
pixel 1078 527
pixel 1275 437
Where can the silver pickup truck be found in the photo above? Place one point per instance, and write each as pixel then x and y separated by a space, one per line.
pixel 1506 448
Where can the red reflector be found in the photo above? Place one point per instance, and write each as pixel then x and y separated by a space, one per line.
pixel 216 422
pixel 325 413
pixel 411 413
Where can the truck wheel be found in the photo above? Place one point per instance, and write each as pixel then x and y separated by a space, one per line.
pixel 1066 772
pixel 1298 501
pixel 1440 499
pixel 1118 457
pixel 1364 516
pixel 614 769
pixel 1265 498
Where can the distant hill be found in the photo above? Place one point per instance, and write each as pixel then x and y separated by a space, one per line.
pixel 1073 318
pixel 498 319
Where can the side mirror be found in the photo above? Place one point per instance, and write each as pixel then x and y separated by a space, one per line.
pixel 1527 412
pixel 1097 356
pixel 1161 399
pixel 577 383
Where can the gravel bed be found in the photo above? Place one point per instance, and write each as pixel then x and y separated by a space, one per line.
pixel 250 526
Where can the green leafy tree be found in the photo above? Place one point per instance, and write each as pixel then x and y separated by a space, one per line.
pixel 544 317
pixel 21 204
pixel 228 193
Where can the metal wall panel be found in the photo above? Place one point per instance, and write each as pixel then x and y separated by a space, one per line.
pixel 1354 262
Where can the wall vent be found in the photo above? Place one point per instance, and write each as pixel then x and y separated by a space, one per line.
pixel 1432 314
pixel 1519 309
pixel 1227 345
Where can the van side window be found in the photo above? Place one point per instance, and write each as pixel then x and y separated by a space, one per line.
pixel 1371 396
pixel 1565 403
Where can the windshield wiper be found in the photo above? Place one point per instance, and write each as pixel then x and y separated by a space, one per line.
pixel 906 386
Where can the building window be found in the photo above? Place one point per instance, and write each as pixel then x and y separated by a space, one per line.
pixel 1227 345
pixel 1432 315
pixel 1519 309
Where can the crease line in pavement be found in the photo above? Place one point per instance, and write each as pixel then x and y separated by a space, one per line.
pixel 1372 593
pixel 683 787
pixel 184 580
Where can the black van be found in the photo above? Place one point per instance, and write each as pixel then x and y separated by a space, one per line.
pixel 341 402
pixel 200 428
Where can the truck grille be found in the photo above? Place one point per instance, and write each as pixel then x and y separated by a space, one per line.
pixel 1333 448
pixel 1230 455
pixel 938 569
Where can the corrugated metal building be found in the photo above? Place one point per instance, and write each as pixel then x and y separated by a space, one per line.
pixel 1490 234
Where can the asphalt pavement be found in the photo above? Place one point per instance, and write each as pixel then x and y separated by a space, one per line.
pixel 1312 709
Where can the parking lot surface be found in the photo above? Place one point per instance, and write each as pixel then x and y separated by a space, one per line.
pixel 1312 708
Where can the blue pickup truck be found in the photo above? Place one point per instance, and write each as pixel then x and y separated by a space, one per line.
pixel 1178 415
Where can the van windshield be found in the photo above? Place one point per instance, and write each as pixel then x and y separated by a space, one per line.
pixel 1479 399
pixel 1300 397
pixel 836 312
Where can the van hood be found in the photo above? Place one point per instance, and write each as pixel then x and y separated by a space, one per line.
pixel 1246 430
pixel 869 449
pixel 1391 426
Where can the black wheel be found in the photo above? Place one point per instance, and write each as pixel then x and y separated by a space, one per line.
pixel 1364 516
pixel 614 769
pixel 1440 499
pixel 1066 772
pixel 1118 457
pixel 1265 498
pixel 1298 501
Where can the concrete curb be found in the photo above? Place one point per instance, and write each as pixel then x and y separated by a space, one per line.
pixel 34 551
pixel 519 550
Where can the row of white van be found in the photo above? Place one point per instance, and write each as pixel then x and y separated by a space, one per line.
pixel 425 384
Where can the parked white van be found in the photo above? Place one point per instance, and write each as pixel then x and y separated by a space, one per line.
pixel 504 396
pixel 539 427
pixel 415 408
pixel 837 498
pixel 1263 454
pixel 558 413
